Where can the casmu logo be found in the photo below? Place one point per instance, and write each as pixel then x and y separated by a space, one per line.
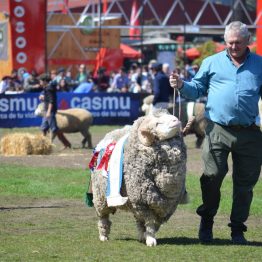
pixel 102 103
pixel 20 41
pixel 18 104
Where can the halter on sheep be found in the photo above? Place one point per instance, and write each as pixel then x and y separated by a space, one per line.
pixel 154 171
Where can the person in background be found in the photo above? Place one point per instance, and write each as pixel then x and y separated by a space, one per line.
pixel 191 71
pixel 101 81
pixel 146 84
pixel 162 90
pixel 16 83
pixel 53 75
pixel 166 69
pixel 135 77
pixel 49 97
pixel 5 84
pixel 70 81
pixel 60 75
pixel 63 86
pixel 120 82
pixel 82 75
pixel 32 84
pixel 232 82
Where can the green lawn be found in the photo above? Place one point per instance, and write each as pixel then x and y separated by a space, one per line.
pixel 43 217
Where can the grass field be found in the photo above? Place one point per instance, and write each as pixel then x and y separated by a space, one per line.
pixel 43 217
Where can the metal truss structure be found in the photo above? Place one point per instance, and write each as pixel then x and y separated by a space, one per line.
pixel 163 17
pixel 172 15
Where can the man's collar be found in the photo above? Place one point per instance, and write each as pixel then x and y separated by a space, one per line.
pixel 246 55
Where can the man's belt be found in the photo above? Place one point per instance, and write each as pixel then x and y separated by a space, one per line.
pixel 253 127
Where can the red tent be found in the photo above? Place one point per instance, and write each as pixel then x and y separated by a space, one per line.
pixel 192 53
pixel 129 52
pixel 109 58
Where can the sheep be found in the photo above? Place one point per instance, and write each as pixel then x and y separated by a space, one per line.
pixel 71 120
pixel 154 173
pixel 193 122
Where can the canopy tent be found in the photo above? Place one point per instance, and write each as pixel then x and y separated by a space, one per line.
pixel 154 41
pixel 129 52
pixel 193 53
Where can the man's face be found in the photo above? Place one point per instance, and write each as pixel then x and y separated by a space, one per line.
pixel 236 44
pixel 43 83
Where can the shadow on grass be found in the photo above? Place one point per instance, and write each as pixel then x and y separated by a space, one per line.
pixel 194 241
pixel 20 207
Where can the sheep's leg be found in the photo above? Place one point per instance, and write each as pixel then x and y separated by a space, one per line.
pixel 151 229
pixel 53 135
pixel 84 142
pixel 104 225
pixel 87 138
pixel 63 139
pixel 141 229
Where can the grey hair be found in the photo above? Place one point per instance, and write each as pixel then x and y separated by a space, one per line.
pixel 237 27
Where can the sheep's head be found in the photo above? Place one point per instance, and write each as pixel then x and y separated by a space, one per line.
pixel 40 110
pixel 158 126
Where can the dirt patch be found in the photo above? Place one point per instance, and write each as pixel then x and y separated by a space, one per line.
pixel 78 157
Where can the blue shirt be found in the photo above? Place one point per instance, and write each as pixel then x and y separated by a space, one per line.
pixel 232 92
pixel 121 81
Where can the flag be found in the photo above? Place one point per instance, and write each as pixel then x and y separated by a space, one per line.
pixel 104 6
pixel 134 33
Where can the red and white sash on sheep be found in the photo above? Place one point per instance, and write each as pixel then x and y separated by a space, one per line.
pixel 101 156
pixel 115 169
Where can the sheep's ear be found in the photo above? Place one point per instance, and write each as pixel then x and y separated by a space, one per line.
pixel 145 135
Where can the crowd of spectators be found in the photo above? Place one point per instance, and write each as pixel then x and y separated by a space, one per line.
pixel 138 79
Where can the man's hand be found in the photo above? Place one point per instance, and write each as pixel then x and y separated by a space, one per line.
pixel 175 81
pixel 48 114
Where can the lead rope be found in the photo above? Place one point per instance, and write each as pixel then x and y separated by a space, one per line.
pixel 179 103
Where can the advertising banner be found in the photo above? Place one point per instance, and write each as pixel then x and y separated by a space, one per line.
pixel 107 108
pixel 28 32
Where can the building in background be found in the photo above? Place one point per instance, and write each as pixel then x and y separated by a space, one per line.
pixel 194 21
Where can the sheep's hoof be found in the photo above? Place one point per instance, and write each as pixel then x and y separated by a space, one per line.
pixel 103 238
pixel 150 241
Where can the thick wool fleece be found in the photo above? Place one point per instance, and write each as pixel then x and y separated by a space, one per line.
pixel 153 178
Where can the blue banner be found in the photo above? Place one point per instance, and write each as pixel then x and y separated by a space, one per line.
pixel 107 108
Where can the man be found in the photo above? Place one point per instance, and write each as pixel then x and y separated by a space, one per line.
pixel 101 81
pixel 120 82
pixel 5 84
pixel 161 87
pixel 166 69
pixel 50 103
pixel 31 83
pixel 232 81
